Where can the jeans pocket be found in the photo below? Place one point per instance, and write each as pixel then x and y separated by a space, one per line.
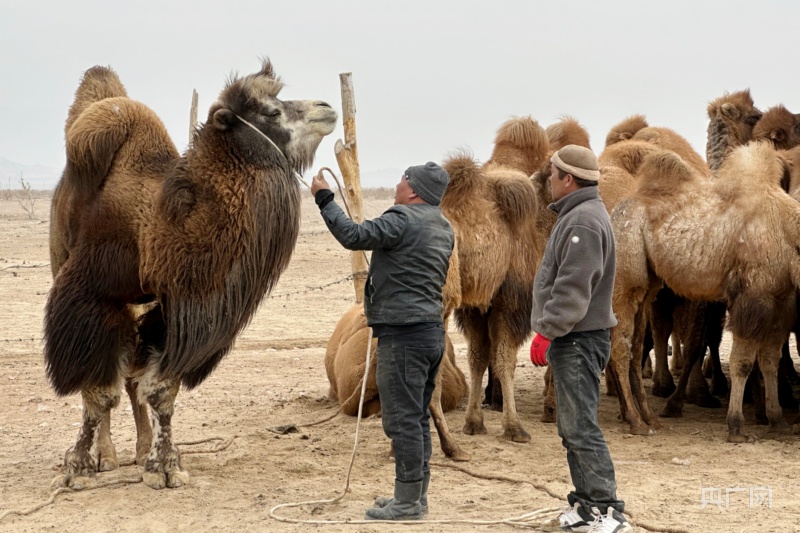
pixel 416 363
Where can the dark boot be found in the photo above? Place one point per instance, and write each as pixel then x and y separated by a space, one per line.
pixel 404 506
pixel 383 501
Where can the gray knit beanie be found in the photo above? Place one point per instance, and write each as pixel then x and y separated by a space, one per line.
pixel 429 181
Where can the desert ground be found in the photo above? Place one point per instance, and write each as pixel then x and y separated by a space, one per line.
pixel 275 376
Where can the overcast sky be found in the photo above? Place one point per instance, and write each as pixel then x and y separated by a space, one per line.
pixel 429 76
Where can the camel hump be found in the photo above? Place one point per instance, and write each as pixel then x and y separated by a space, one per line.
pixel 521 143
pixel 628 155
pixel 753 166
pixel 93 142
pixel 514 196
pixel 626 129
pixel 465 175
pixel 97 83
pixel 661 174
pixel 567 131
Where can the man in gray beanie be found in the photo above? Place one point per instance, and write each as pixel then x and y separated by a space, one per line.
pixel 411 245
pixel 572 316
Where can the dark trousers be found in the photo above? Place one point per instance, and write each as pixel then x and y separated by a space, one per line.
pixel 407 367
pixel 577 359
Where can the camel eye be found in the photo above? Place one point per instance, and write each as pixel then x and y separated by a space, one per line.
pixel 272 113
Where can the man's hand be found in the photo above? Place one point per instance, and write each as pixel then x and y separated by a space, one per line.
pixel 317 184
pixel 539 347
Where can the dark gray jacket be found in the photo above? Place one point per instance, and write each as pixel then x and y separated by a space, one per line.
pixel 575 282
pixel 411 247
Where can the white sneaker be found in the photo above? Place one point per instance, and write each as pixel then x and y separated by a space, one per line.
pixel 572 519
pixel 611 522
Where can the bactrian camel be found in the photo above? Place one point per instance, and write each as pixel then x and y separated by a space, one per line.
pixel 202 237
pixel 734 238
pixel 493 209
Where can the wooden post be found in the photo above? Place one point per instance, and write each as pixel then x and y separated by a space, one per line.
pixel 347 159
pixel 193 116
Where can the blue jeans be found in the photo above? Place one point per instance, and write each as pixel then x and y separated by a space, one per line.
pixel 577 359
pixel 407 367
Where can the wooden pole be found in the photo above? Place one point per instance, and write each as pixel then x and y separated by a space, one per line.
pixel 193 116
pixel 347 159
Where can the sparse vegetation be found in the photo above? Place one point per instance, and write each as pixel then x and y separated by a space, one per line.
pixel 27 198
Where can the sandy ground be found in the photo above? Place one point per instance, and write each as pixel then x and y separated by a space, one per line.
pixel 275 376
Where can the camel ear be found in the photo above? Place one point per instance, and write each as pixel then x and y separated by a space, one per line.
pixel 777 135
pixel 730 111
pixel 625 136
pixel 223 119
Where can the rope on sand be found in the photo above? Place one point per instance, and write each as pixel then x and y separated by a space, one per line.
pixel 224 444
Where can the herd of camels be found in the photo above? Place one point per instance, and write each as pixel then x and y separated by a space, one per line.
pixel 161 259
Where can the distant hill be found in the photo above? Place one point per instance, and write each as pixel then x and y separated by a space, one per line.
pixel 39 177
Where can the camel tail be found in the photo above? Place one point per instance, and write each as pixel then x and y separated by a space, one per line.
pixel 85 340
pixel 626 129
pixel 97 83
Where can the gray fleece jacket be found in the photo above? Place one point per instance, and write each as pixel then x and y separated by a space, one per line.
pixel 574 285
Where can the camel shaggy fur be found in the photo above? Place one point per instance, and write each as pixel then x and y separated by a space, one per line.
pixel 345 357
pixel 731 121
pixel 493 207
pixel 200 237
pixel 779 126
pixel 734 238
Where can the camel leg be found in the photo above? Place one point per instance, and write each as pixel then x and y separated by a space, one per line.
pixel 715 325
pixel 693 348
pixel 661 326
pixel 504 355
pixel 475 329
pixel 743 355
pixel 549 411
pixel 611 385
pixel 82 461
pixel 106 453
pixel 785 390
pixel 647 361
pixel 768 359
pixel 619 364
pixel 144 434
pixel 676 362
pixel 449 445
pixel 163 465
pixel 493 393
pixel 698 392
pixel 635 375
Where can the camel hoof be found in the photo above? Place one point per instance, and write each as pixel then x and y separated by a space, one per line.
pixel 73 482
pixel 458 456
pixel 704 400
pixel 159 480
pixel 740 438
pixel 474 428
pixel 662 390
pixel 672 410
pixel 780 428
pixel 796 429
pixel 516 435
pixel 645 431
pixel 107 465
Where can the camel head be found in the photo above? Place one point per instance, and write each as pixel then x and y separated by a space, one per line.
pixel 731 121
pixel 295 126
pixel 780 127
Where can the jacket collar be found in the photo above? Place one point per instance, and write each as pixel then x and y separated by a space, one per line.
pixel 568 202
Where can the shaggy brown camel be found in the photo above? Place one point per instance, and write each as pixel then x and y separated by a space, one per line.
pixel 201 237
pixel 732 238
pixel 493 209
pixel 344 364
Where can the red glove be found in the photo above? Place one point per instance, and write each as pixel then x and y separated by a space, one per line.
pixel 539 347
